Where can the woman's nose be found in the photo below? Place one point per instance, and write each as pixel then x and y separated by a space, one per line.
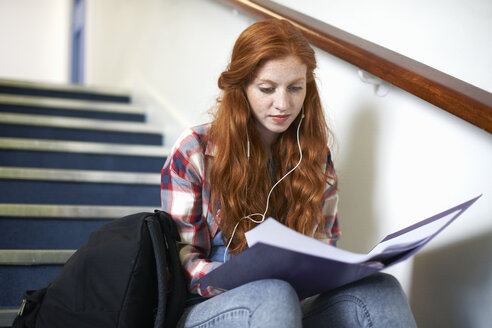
pixel 281 101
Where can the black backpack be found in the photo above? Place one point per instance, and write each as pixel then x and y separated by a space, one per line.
pixel 127 274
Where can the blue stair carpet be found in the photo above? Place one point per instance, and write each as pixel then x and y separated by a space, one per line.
pixel 43 132
pixel 79 193
pixel 46 233
pixel 25 109
pixel 65 94
pixel 49 159
pixel 17 279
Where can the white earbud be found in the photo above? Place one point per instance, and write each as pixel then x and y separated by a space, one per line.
pixel 247 144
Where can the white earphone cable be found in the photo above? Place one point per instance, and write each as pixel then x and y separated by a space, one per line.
pixel 248 217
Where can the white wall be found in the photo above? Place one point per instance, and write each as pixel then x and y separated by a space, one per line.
pixel 452 36
pixel 399 158
pixel 35 40
pixel 170 50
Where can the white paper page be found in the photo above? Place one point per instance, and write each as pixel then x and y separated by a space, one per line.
pixel 412 238
pixel 274 233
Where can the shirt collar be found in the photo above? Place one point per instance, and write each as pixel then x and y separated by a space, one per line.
pixel 211 148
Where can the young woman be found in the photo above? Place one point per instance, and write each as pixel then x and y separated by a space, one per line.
pixel 265 154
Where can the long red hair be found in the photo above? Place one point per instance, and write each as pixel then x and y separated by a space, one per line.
pixel 240 186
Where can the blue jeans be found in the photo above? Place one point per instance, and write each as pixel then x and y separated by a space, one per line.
pixel 376 301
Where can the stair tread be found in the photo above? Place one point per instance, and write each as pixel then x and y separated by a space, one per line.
pixel 74 104
pixel 70 175
pixel 83 147
pixel 70 211
pixel 7 315
pixel 69 87
pixel 34 256
pixel 78 123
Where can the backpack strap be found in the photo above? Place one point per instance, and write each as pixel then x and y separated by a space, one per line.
pixel 171 284
pixel 160 263
pixel 178 290
pixel 31 303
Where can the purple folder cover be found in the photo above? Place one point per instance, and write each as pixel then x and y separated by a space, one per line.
pixel 311 275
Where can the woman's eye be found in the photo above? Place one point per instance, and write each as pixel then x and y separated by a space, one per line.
pixel 267 90
pixel 295 89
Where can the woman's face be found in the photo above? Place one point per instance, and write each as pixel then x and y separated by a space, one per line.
pixel 276 95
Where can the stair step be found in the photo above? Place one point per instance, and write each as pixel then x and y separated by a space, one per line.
pixel 28 269
pixel 7 316
pixel 21 274
pixel 67 91
pixel 63 193
pixel 87 176
pixel 41 211
pixel 83 147
pixel 39 233
pixel 78 187
pixel 81 161
pixel 78 129
pixel 22 278
pixel 20 257
pixel 27 226
pixel 71 108
pixel 81 155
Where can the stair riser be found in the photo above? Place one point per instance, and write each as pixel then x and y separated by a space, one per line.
pixel 22 278
pixel 46 233
pixel 63 94
pixel 41 132
pixel 20 109
pixel 44 159
pixel 66 193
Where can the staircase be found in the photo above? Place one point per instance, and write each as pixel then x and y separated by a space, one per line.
pixel 71 159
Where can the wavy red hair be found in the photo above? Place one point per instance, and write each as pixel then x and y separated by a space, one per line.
pixel 239 186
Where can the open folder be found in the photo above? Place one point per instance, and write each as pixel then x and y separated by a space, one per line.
pixel 312 267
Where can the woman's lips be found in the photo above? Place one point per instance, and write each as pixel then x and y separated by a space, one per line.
pixel 279 118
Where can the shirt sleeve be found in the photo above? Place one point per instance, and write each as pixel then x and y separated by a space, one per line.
pixel 331 231
pixel 181 197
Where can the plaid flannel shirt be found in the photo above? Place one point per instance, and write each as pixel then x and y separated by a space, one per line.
pixel 185 195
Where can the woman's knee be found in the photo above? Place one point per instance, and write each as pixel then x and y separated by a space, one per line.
pixel 381 283
pixel 274 294
pixel 274 289
pixel 262 303
pixel 278 305
pixel 375 301
pixel 384 300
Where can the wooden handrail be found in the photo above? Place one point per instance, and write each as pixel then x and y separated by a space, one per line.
pixel 442 90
